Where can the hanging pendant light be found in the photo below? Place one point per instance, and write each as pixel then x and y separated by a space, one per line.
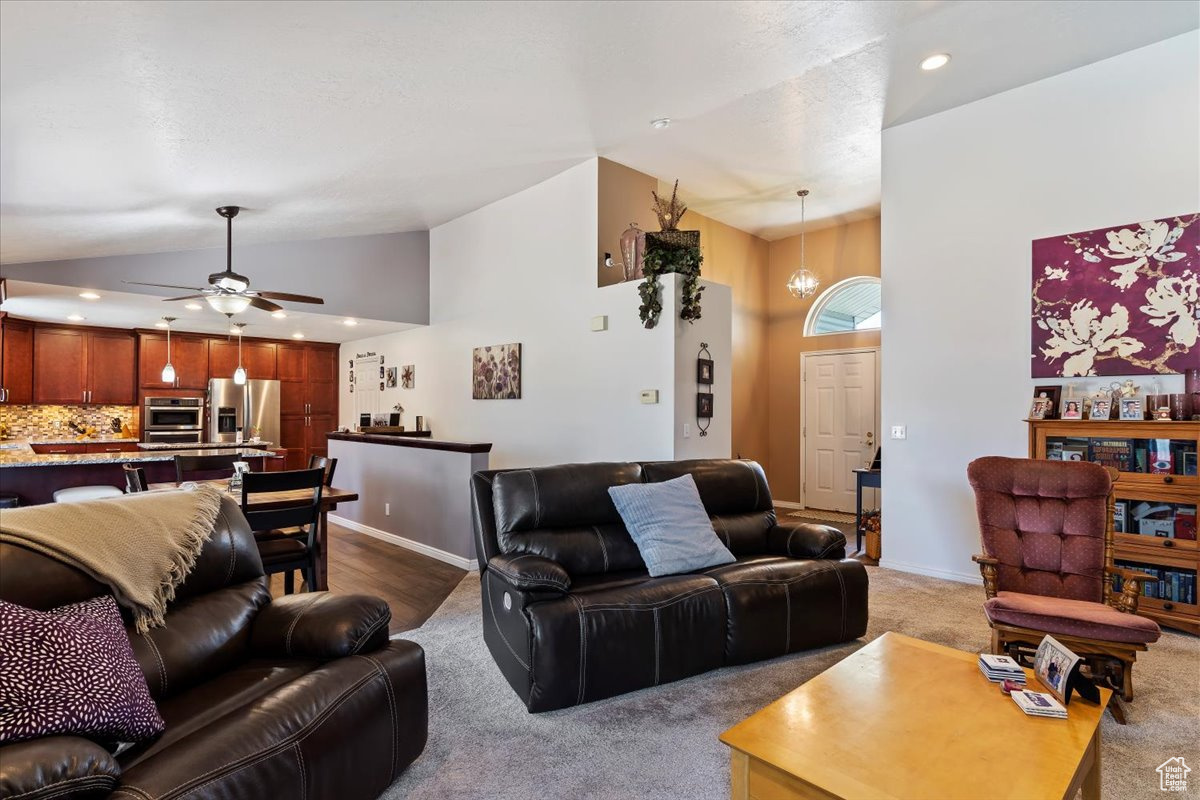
pixel 803 283
pixel 239 374
pixel 168 372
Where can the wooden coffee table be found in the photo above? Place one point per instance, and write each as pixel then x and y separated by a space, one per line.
pixel 905 718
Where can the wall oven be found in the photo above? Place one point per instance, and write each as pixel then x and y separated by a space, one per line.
pixel 171 420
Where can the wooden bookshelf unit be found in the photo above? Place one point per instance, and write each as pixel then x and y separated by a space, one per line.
pixel 1157 495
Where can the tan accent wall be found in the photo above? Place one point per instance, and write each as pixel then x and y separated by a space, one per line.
pixel 834 254
pixel 768 323
pixel 732 257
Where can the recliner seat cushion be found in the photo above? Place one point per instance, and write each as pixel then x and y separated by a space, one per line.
pixel 1056 615
pixel 608 641
pixel 777 605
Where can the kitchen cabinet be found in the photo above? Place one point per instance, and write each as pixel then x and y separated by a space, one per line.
pixel 83 366
pixel 16 361
pixel 189 357
pixel 258 359
pixel 48 449
pixel 308 399
pixel 112 447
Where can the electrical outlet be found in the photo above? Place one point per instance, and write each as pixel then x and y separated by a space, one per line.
pixel 899 432
pixel 687 430
pixel 387 509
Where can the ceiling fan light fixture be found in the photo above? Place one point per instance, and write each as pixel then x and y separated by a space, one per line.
pixel 228 303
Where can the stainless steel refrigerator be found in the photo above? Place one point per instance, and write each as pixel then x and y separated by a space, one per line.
pixel 252 407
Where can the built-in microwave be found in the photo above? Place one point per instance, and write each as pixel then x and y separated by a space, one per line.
pixel 181 417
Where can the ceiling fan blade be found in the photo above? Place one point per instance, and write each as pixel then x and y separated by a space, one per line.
pixel 291 298
pixel 166 286
pixel 185 297
pixel 265 305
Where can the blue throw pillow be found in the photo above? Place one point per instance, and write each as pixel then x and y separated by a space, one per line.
pixel 669 526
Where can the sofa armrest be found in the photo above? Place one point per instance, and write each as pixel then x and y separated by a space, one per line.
pixel 320 625
pixel 806 540
pixel 60 767
pixel 531 573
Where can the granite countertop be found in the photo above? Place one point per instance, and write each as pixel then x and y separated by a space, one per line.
pixel 74 439
pixel 25 457
pixel 203 445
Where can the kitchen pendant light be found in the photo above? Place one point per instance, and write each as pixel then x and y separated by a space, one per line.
pixel 239 374
pixel 803 283
pixel 168 371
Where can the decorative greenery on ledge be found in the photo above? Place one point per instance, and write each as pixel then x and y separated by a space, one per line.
pixel 667 252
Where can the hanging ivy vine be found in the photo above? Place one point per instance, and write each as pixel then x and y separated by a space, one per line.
pixel 667 252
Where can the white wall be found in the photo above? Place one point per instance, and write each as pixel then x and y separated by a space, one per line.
pixel 523 270
pixel 714 328
pixel 964 194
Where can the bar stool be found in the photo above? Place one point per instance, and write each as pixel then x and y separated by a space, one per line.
pixel 78 494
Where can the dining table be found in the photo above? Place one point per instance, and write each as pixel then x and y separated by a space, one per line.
pixel 331 496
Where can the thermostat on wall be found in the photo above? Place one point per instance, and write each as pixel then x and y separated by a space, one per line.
pixel 649 396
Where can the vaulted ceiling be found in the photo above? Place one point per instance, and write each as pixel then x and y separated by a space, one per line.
pixel 122 125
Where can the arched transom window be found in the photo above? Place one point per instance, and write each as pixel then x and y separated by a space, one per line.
pixel 847 306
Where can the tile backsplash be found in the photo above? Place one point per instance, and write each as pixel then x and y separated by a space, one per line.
pixel 38 422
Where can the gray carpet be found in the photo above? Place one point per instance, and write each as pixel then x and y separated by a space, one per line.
pixel 661 743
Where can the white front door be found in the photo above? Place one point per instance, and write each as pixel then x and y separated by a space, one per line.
pixel 839 426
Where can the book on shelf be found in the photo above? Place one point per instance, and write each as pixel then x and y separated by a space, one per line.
pixel 1115 453
pixel 1039 704
pixel 1119 516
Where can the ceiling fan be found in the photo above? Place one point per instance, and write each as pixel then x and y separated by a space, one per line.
pixel 229 292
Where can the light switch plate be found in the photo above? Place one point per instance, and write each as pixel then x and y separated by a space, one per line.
pixel 600 323
pixel 899 432
pixel 649 396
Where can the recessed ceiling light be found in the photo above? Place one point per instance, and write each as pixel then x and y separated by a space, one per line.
pixel 278 315
pixel 160 324
pixel 235 330
pixel 935 61
pixel 660 123
pixel 297 335
pixel 76 317
pixel 350 322
pixel 89 295
pixel 193 306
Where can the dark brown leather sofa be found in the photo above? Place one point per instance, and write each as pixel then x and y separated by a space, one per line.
pixel 303 696
pixel 571 615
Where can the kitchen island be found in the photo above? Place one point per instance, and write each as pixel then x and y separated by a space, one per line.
pixel 413 492
pixel 35 477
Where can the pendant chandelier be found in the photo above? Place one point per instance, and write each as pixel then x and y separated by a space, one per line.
pixel 803 283
pixel 168 372
pixel 239 374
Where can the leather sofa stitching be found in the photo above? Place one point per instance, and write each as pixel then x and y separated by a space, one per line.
pixel 842 584
pixel 778 581
pixel 788 547
pixel 162 668
pixel 492 607
pixel 132 791
pixel 582 649
pixel 287 640
pixel 657 648
pixel 603 547
pixel 366 634
pixel 520 581
pixel 232 545
pixel 275 749
pixel 787 621
pixel 836 544
pixel 66 786
pixel 724 530
pixel 303 776
pixel 646 606
pixel 537 500
pixel 387 687
pixel 753 477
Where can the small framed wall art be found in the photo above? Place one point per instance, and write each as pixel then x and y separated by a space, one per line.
pixel 704 405
pixel 704 371
pixel 496 372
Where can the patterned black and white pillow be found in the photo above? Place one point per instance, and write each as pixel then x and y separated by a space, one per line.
pixel 71 670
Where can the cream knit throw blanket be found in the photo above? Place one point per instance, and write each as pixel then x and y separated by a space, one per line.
pixel 141 546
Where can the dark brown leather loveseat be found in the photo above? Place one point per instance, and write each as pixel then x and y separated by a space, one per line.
pixel 302 697
pixel 571 615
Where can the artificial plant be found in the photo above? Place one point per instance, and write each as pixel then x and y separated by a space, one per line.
pixel 670 250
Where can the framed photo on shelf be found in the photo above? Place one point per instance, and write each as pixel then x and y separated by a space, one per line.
pixel 1050 393
pixel 1101 409
pixel 1131 408
pixel 1072 408
pixel 1041 408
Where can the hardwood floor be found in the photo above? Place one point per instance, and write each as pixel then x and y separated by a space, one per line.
pixel 412 584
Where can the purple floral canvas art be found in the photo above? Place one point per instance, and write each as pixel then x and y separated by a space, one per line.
pixel 496 372
pixel 1118 301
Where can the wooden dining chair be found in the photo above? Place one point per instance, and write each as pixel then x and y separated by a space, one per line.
pixel 325 463
pixel 135 479
pixel 298 506
pixel 187 466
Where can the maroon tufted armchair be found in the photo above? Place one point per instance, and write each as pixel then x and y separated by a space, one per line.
pixel 1047 529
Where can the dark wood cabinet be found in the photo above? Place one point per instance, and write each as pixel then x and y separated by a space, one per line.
pixel 189 357
pixel 16 361
pixel 112 360
pixel 308 392
pixel 258 359
pixel 58 449
pixel 290 361
pixel 59 365
pixel 112 447
pixel 293 439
